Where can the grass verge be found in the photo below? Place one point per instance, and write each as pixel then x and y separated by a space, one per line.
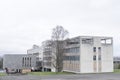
pixel 2 74
pixel 49 73
pixel 117 70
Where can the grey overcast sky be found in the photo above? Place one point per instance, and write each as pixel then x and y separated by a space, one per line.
pixel 27 22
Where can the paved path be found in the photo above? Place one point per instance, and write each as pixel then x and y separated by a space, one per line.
pixel 105 76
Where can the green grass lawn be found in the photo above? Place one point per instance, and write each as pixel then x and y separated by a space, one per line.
pixel 54 73
pixel 117 70
pixel 2 74
pixel 60 73
pixel 48 73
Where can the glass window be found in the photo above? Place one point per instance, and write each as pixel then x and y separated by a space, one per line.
pixel 72 50
pixel 30 61
pixel 99 49
pixel 106 41
pixel 94 49
pixel 23 61
pixel 87 41
pixel 94 57
pixel 77 58
pixel 77 50
pixel 72 58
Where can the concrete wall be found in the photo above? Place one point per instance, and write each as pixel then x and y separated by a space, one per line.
pixel 14 61
pixel 107 58
pixel 100 60
pixel 88 65
pixel 86 58
pixel 103 55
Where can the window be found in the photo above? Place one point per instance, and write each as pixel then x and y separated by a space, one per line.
pixel 77 50
pixel 94 49
pixel 72 58
pixel 94 57
pixel 99 49
pixel 74 41
pixel 23 61
pixel 102 41
pixel 71 43
pixel 27 61
pixel 72 50
pixel 47 58
pixel 87 41
pixel 106 41
pixel 114 62
pixel 30 61
pixel 77 58
pixel 47 63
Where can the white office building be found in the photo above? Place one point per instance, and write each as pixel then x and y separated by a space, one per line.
pixel 38 52
pixel 47 56
pixel 88 54
pixel 82 54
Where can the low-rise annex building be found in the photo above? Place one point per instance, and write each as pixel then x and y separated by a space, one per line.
pixel 116 62
pixel 88 54
pixel 19 62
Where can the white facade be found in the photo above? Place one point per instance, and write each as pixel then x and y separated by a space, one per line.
pixel 36 50
pixel 47 56
pixel 83 54
pixel 95 55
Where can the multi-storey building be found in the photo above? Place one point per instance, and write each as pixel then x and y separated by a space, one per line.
pixel 83 54
pixel 47 56
pixel 37 51
pixel 88 54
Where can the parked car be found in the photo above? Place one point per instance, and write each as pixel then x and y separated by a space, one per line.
pixel 12 71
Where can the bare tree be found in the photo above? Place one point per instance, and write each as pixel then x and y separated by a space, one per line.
pixel 59 34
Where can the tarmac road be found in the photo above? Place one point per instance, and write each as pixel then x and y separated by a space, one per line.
pixel 101 76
